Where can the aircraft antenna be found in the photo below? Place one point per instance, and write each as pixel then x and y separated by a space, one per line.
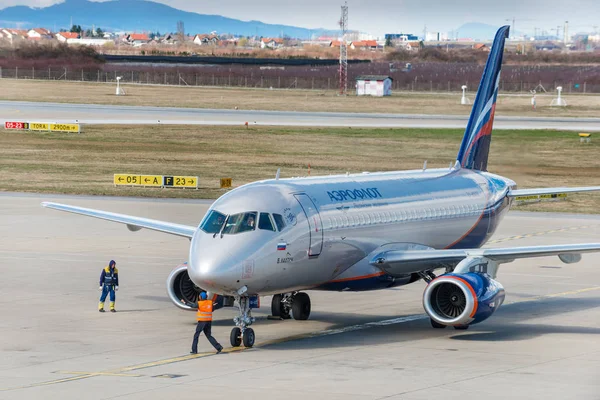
pixel 344 51
pixel 277 174
pixel 425 165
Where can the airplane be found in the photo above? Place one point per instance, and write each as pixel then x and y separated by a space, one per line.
pixel 356 232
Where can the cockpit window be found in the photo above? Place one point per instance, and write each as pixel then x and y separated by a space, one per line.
pixel 265 222
pixel 279 221
pixel 238 223
pixel 213 222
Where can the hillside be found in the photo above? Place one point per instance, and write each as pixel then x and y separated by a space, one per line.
pixel 139 15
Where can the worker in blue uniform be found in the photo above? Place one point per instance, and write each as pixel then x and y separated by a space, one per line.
pixel 109 283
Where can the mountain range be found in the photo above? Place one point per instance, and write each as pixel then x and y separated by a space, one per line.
pixel 140 16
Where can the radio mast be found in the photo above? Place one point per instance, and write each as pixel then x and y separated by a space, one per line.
pixel 344 51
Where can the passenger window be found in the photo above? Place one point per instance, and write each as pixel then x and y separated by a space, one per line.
pixel 265 222
pixel 279 221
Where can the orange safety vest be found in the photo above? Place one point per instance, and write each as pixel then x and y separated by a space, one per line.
pixel 205 308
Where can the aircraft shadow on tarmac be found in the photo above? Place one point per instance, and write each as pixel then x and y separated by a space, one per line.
pixel 510 323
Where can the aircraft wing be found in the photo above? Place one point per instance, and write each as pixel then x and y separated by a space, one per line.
pixel 133 223
pixel 401 262
pixel 555 190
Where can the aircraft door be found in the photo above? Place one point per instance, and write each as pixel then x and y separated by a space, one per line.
pixel 314 222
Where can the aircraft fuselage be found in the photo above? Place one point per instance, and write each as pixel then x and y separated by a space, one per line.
pixel 333 223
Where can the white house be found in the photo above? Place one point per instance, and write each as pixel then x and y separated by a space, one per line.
pixel 64 36
pixel 39 33
pixel 272 43
pixel 373 85
pixel 205 39
pixel 13 35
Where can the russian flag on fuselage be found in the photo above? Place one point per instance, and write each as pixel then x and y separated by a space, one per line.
pixel 475 147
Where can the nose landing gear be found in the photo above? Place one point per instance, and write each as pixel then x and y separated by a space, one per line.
pixel 242 332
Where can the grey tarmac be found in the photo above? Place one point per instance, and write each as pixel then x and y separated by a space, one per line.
pixel 141 115
pixel 542 344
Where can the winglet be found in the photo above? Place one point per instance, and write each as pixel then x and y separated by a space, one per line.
pixel 475 147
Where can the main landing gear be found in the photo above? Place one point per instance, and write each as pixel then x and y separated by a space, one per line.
pixel 242 333
pixel 298 303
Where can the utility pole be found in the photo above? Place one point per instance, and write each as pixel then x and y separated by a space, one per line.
pixel 566 32
pixel 344 51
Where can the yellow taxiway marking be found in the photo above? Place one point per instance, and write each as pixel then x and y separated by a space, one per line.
pixel 97 373
pixel 327 332
pixel 529 235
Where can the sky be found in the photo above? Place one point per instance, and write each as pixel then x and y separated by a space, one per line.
pixel 380 16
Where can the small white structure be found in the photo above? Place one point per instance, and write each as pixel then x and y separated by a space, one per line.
pixel 373 85
pixel 533 100
pixel 89 42
pixel 559 101
pixel 120 90
pixel 464 99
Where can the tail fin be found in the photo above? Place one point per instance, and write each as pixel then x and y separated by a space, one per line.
pixel 475 147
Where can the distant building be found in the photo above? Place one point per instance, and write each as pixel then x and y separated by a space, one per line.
pixel 481 47
pixel 206 39
pixel 64 36
pixel 271 43
pixel 373 85
pixel 13 35
pixel 364 45
pixel 39 33
pixel 137 38
pixel 404 37
pixel 89 42
pixel 436 37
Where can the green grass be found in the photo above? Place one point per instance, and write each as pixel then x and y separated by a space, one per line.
pixel 85 163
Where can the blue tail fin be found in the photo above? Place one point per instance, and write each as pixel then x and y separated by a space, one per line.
pixel 475 147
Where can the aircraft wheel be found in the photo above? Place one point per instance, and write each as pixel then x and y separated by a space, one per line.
pixel 461 327
pixel 301 307
pixel 249 337
pixel 276 306
pixel 436 325
pixel 235 338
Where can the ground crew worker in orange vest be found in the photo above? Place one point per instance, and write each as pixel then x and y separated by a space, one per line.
pixel 204 317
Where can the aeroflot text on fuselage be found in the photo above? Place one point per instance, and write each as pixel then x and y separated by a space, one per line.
pixel 341 195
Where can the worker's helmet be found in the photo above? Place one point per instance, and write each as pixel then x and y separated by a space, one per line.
pixel 203 295
pixel 112 263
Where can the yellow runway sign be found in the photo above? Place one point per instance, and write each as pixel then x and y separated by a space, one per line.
pixel 225 183
pixel 64 128
pixel 180 181
pixel 160 181
pixel 151 180
pixel 126 179
pixel 39 126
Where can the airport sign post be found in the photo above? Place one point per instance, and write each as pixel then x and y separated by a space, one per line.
pixel 39 126
pixel 48 127
pixel 225 183
pixel 180 182
pixel 64 128
pixel 159 181
pixel 16 125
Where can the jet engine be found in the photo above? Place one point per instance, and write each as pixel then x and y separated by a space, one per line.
pixel 462 299
pixel 184 293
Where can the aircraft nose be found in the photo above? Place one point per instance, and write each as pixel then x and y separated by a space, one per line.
pixel 209 269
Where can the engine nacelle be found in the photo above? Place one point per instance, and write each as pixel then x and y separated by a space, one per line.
pixel 462 299
pixel 184 293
